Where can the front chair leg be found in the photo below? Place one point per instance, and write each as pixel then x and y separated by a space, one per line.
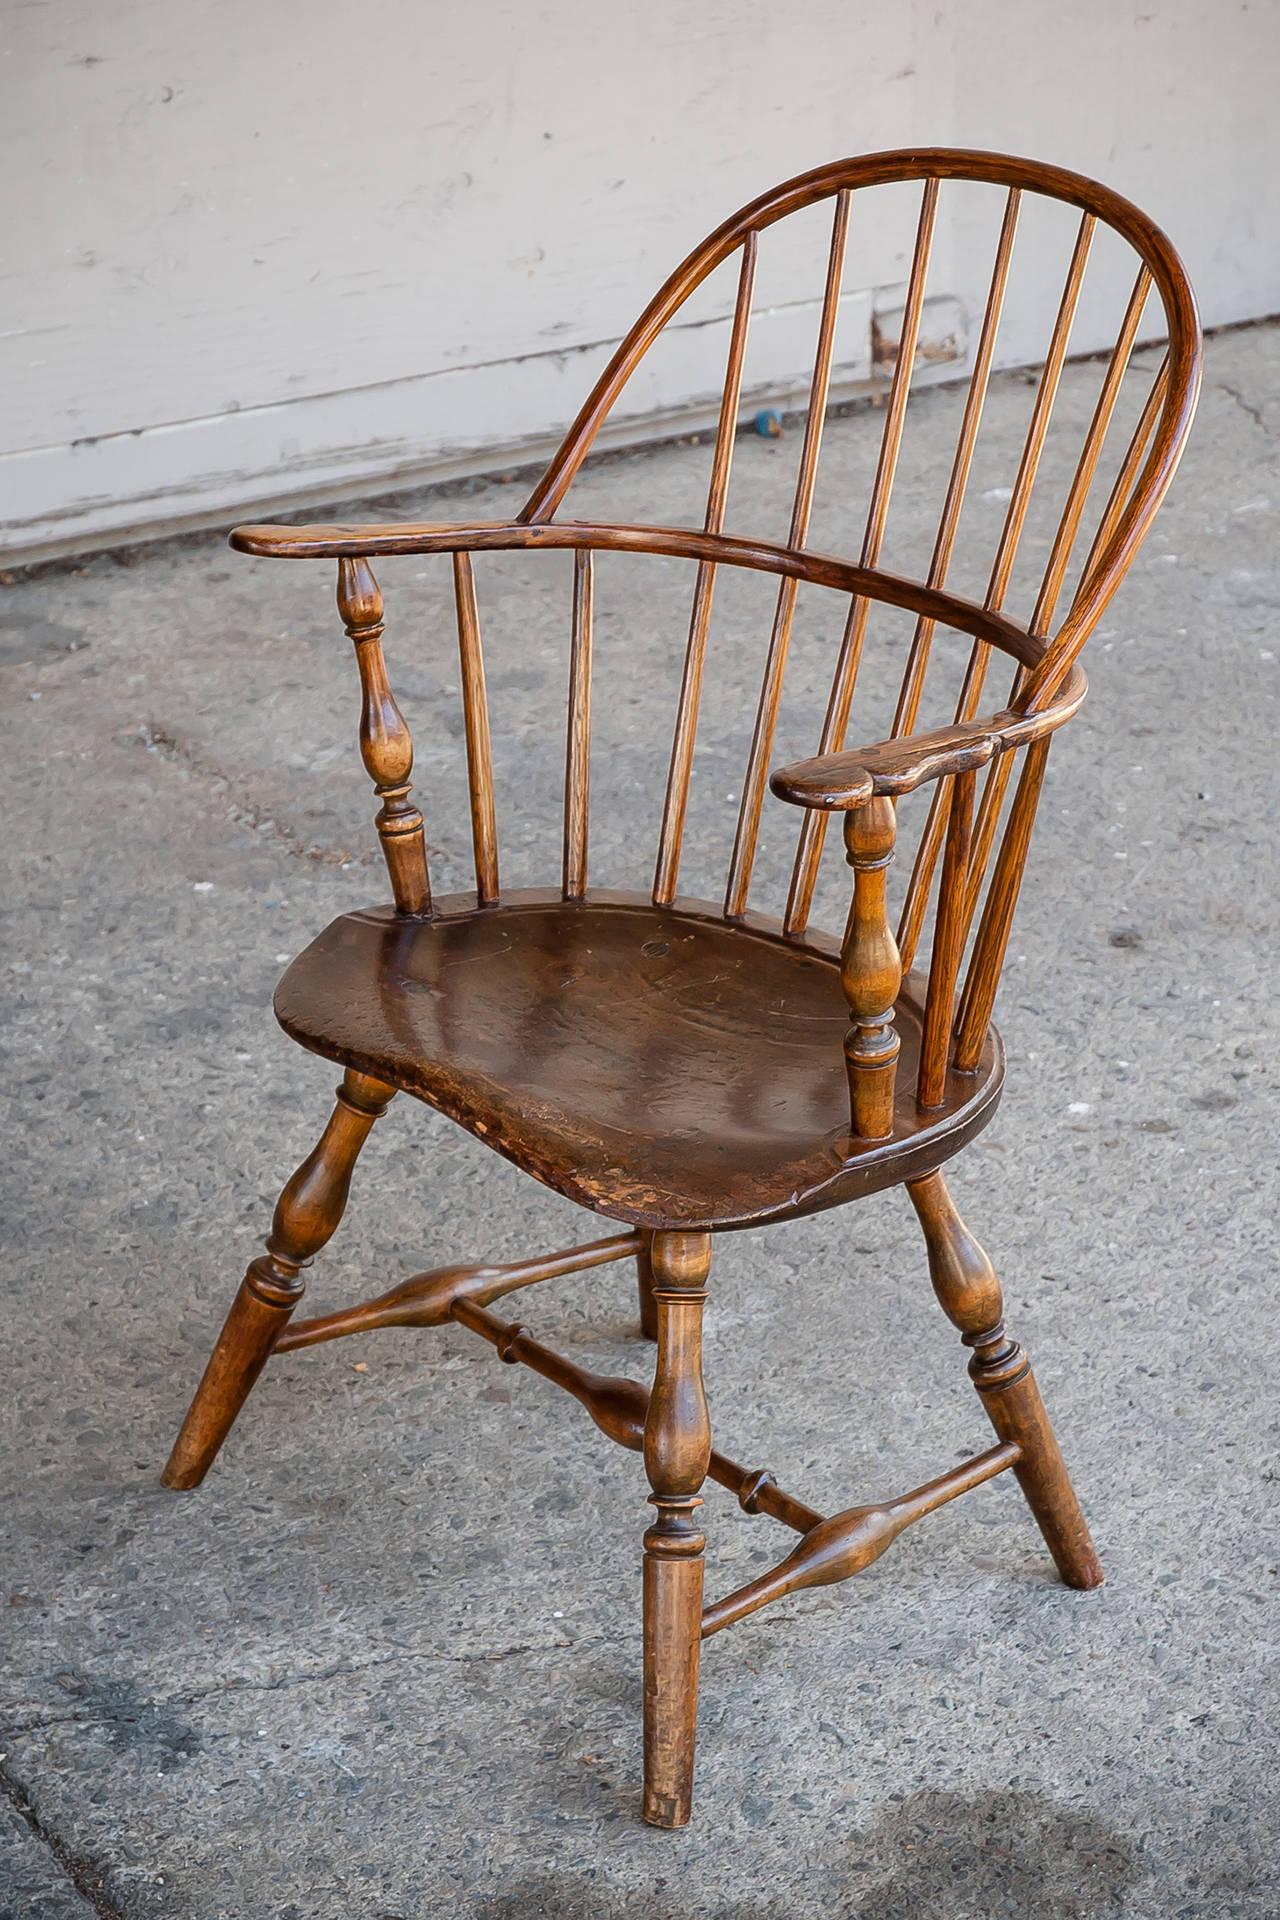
pixel 969 1293
pixel 677 1450
pixel 306 1216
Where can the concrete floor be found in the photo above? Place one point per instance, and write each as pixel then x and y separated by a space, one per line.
pixel 386 1662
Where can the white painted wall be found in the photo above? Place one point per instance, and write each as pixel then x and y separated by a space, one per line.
pixel 257 251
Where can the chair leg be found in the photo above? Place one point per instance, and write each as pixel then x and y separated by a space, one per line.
pixel 644 1287
pixel 677 1450
pixel 306 1216
pixel 969 1294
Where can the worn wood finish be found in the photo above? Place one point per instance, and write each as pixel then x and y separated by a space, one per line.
pixel 969 1294
pixel 654 1064
pixel 306 1217
pixel 690 1068
pixel 677 1453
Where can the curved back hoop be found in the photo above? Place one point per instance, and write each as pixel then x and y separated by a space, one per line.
pixel 1162 432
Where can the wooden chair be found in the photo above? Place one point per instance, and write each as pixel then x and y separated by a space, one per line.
pixel 571 1040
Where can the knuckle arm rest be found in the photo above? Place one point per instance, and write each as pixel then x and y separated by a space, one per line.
pixel 840 782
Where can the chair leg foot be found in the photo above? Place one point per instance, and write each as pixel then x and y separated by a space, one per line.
pixel 243 1349
pixel 677 1451
pixel 1001 1372
pixel 673 1549
pixel 970 1296
pixel 306 1216
pixel 644 1289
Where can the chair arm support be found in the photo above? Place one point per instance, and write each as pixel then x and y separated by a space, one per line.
pixel 840 782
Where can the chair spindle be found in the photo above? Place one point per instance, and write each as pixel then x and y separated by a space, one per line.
pixel 475 711
pixel 1069 525
pixel 1006 552
pixel 908 708
pixel 577 768
pixel 987 958
pixel 948 944
pixel 1118 499
pixel 1041 686
pixel 813 827
pixel 676 802
pixel 744 846
pixel 915 904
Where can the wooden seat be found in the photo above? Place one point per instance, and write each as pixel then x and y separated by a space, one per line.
pixel 657 1066
pixel 689 1068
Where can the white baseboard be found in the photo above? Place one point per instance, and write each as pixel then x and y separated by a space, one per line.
pixel 210 472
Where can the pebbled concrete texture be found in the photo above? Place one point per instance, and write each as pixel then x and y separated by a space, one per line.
pixel 385 1663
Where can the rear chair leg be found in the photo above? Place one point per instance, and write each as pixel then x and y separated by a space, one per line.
pixel 677 1450
pixel 644 1288
pixel 969 1293
pixel 306 1216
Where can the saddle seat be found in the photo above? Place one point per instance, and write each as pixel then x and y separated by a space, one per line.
pixel 659 1065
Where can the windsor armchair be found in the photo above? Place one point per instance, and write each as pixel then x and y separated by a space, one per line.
pixel 689 1068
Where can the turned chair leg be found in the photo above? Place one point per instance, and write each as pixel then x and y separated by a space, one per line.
pixel 644 1289
pixel 306 1216
pixel 969 1294
pixel 677 1450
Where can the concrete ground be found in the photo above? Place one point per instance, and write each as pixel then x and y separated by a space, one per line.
pixel 385 1663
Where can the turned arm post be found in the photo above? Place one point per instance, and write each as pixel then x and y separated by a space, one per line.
pixel 386 745
pixel 870 971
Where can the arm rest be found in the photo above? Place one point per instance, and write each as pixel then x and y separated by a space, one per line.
pixel 839 782
pixel 358 543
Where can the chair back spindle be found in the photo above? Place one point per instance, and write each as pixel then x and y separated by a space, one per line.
pixel 577 760
pixel 744 845
pixel 813 827
pixel 676 800
pixel 475 715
